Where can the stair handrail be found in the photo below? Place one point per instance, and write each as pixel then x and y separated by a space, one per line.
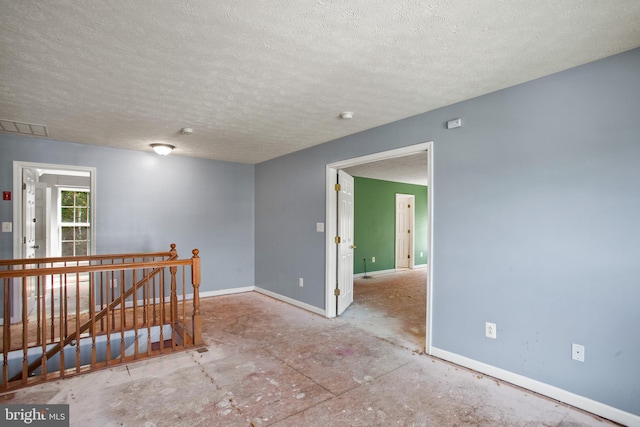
pixel 156 267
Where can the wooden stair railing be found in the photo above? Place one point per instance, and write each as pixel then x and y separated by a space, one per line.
pixel 76 334
pixel 152 268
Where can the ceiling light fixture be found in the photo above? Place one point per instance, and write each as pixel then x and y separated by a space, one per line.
pixel 346 115
pixel 162 149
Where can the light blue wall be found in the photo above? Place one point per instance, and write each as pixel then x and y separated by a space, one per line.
pixel 537 225
pixel 146 202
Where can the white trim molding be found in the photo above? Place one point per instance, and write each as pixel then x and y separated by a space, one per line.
pixel 593 406
pixel 330 225
pixel 222 292
pixel 291 301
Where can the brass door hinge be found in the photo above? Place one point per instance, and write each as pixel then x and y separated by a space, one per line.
pixel 337 187
pixel 408 256
pixel 337 239
pixel 336 292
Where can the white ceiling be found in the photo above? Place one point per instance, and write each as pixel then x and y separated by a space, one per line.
pixel 256 79
pixel 411 169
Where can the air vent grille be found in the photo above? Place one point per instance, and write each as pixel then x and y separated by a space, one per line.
pixel 23 128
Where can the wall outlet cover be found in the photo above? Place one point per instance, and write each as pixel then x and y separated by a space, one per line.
pixel 577 352
pixel 490 330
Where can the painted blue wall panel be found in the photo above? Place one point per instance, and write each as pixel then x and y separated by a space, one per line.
pixel 146 202
pixel 536 225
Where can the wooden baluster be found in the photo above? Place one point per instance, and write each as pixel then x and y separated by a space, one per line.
pixel 162 310
pixel 92 314
pixel 63 319
pixel 25 330
pixel 123 324
pixel 112 297
pixel 148 314
pixel 145 294
pixel 122 320
pixel 6 336
pixel 195 280
pixel 42 300
pixel 135 318
pixel 183 318
pixel 108 318
pixel 63 301
pixel 103 296
pixel 78 323
pixel 155 299
pixel 53 307
pixel 40 322
pixel 173 304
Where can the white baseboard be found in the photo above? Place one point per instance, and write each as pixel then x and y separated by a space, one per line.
pixel 389 271
pixel 291 301
pixel 223 292
pixel 595 407
pixel 372 273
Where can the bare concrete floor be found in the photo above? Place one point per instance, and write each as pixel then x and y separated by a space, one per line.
pixel 271 364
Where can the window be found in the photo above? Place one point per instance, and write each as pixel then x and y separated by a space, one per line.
pixel 74 222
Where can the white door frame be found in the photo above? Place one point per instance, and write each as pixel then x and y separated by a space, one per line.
pixel 18 166
pixel 412 240
pixel 331 214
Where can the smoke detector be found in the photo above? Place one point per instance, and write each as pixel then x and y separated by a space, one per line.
pixel 346 115
pixel 186 131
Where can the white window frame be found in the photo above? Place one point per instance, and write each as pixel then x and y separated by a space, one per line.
pixel 62 224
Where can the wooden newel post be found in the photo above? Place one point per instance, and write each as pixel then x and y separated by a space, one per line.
pixel 195 280
pixel 174 295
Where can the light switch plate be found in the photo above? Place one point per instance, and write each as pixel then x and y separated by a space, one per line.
pixel 7 227
pixel 320 227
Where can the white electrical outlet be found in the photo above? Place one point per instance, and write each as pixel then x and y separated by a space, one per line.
pixel 6 227
pixel 301 282
pixel 421 254
pixel 373 259
pixel 577 352
pixel 490 330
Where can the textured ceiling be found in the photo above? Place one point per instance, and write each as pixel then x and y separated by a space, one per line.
pixel 411 169
pixel 256 79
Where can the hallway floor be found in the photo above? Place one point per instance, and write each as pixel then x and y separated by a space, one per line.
pixel 272 364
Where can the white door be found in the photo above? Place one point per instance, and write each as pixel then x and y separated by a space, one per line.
pixel 345 246
pixel 29 182
pixel 29 178
pixel 404 230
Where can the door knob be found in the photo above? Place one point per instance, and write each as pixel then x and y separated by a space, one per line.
pixel 35 247
pixel 353 246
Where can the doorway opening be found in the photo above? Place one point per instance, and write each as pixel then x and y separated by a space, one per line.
pixel 332 268
pixel 53 213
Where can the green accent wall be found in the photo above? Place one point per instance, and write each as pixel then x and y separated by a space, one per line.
pixel 375 223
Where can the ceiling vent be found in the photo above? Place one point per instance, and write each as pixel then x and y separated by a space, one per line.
pixel 23 128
